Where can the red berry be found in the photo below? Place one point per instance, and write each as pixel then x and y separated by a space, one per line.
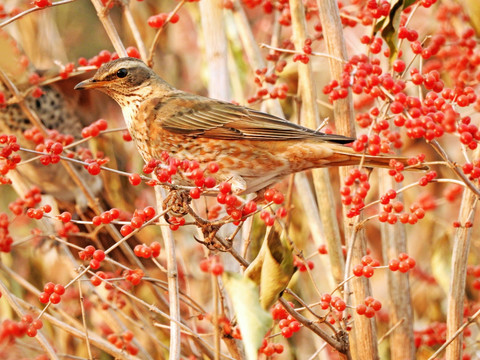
pixel 44 297
pixel 217 269
pixel 65 217
pixel 42 3
pixel 195 193
pixel 225 187
pixel 59 289
pixel 393 264
pixel 55 298
pixel 31 331
pixel 358 270
pixel 361 308
pixel 134 179
pixel 99 255
pixel 287 332
pixel 37 324
pixel 213 167
pixel 209 182
pixel 149 212
pixel 367 271
pixel 126 230
pixel 93 168
pixel 278 198
pixel 49 287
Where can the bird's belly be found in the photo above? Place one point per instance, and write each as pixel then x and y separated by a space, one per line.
pixel 250 165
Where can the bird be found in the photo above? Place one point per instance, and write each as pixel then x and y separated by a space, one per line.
pixel 253 149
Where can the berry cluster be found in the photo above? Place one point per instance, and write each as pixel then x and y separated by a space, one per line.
pixel 14 11
pixel 264 76
pixel 472 170
pixel 95 128
pixel 138 219
pixel 5 239
pixel 95 165
pixel 33 325
pixel 135 276
pixel 32 198
pixel 159 20
pixel 270 348
pixel 106 277
pixel 68 228
pixel 358 179
pixel 435 335
pixel 369 307
pixel 212 265
pixel 66 70
pixel 428 177
pixel 403 263
pixel 105 56
pixel 9 329
pixel 475 272
pixel 167 167
pixel 176 222
pixel 98 278
pixel 8 146
pixel 226 327
pixel 393 211
pixel 287 324
pixel 35 135
pixel 302 265
pixel 96 256
pixel 123 341
pixel 106 217
pixel 147 251
pixel 38 213
pixel 322 249
pixel 366 268
pixel 273 196
pixel 233 204
pixel 42 3
pixel 327 301
pixel 51 293
pixel 53 149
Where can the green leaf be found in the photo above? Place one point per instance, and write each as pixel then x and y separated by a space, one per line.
pixel 390 24
pixel 277 269
pixel 273 267
pixel 253 320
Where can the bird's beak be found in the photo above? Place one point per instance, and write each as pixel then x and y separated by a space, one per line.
pixel 89 84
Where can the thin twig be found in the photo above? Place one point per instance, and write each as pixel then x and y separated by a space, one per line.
pixel 109 28
pixel 453 166
pixel 288 51
pixel 455 335
pixel 151 51
pixel 392 329
pixel 84 320
pixel 36 8
pixel 12 301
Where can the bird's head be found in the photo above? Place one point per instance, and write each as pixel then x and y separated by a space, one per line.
pixel 123 78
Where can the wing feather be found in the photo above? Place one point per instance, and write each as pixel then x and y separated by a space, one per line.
pixel 198 116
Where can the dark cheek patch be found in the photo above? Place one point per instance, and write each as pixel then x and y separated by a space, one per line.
pixel 136 77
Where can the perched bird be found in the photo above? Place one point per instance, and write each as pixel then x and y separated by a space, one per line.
pixel 253 149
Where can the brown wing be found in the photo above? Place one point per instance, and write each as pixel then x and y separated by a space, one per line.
pixel 183 113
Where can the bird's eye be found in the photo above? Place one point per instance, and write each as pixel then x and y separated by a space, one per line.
pixel 122 73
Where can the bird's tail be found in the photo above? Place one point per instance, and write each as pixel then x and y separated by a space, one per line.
pixel 344 156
